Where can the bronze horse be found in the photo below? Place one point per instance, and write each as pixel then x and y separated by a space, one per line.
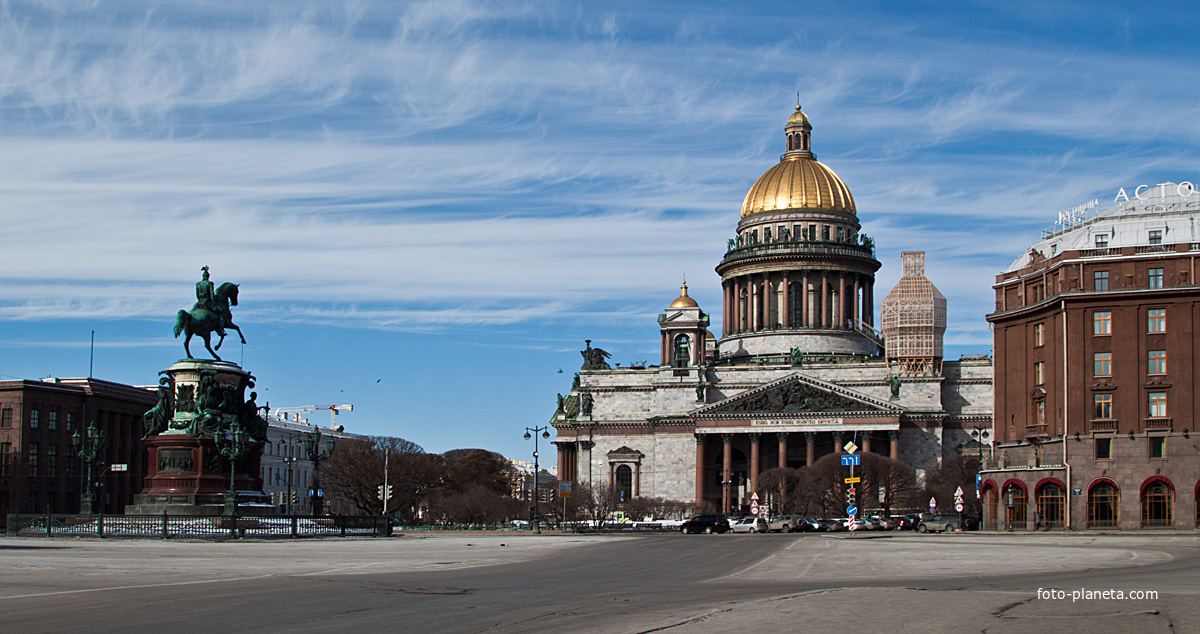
pixel 204 322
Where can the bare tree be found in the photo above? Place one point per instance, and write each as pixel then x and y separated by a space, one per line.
pixel 598 502
pixel 955 471
pixel 354 473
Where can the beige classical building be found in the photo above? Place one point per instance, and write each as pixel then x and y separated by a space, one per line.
pixel 798 371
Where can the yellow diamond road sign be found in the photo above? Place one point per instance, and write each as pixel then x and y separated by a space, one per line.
pixel 850 447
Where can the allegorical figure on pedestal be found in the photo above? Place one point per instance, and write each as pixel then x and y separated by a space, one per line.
pixel 210 314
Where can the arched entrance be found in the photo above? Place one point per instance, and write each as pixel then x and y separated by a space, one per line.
pixel 1015 503
pixel 1158 504
pixel 1052 504
pixel 991 502
pixel 1104 504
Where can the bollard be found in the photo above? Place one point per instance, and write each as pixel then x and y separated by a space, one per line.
pixel 295 526
pixel 100 526
pixel 164 526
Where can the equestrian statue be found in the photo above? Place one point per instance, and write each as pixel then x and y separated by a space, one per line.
pixel 210 314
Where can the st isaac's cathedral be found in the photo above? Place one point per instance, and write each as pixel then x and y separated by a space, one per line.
pixel 800 369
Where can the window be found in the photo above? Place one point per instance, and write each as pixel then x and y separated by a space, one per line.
pixel 1158 446
pixel 1104 449
pixel 1156 320
pixel 70 422
pixel 33 459
pixel 1158 404
pixel 1102 364
pixel 1157 362
pixel 1103 505
pixel 1155 236
pixel 1156 278
pixel 825 232
pixel 1100 279
pixel 1014 501
pixel 1053 249
pixel 1039 334
pixel 52 459
pixel 1102 323
pixel 5 458
pixel 51 420
pixel 6 418
pixel 34 418
pixel 1039 412
pixel 1103 405
pixel 625 482
pixel 1039 375
pixel 1102 241
pixel 1052 505
pixel 1157 505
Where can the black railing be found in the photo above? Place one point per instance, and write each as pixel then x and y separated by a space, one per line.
pixel 168 526
pixel 798 248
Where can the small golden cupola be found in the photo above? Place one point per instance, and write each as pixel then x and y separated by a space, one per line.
pixel 683 301
pixel 684 329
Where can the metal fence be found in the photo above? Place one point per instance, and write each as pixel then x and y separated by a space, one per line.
pixel 187 526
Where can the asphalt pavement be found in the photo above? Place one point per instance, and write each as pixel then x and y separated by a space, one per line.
pixel 890 582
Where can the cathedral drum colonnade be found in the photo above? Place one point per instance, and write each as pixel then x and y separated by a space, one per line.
pixel 800 368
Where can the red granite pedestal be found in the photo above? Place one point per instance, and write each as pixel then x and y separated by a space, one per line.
pixel 189 476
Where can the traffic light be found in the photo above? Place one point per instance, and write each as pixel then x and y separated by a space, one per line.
pixel 295 497
pixel 850 496
pixel 383 493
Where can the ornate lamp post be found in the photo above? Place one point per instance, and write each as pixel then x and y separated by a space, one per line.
pixel 312 446
pixel 88 446
pixel 536 469
pixel 233 449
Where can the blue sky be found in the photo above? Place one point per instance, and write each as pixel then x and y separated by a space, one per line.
pixel 429 206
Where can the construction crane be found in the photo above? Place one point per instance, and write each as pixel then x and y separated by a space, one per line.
pixel 333 411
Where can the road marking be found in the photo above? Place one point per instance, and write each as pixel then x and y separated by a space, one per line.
pixel 138 587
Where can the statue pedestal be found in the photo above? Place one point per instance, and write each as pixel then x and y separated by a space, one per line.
pixel 188 475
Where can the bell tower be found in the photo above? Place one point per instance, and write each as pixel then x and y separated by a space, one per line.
pixel 684 330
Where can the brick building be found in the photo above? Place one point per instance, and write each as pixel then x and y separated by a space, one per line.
pixel 39 470
pixel 1096 368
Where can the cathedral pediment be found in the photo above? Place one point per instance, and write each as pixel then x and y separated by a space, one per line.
pixel 798 395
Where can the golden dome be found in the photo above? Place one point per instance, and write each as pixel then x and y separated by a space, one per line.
pixel 798 117
pixel 683 301
pixel 798 183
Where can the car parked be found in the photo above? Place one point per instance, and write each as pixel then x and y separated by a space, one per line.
pixel 941 523
pixel 886 523
pixel 909 522
pixel 750 525
pixel 705 524
pixel 832 525
pixel 790 524
pixel 809 525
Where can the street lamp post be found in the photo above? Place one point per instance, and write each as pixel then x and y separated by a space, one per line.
pixel 233 449
pixel 980 434
pixel 88 447
pixel 536 469
pixel 312 446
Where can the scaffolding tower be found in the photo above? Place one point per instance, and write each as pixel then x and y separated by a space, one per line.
pixel 914 320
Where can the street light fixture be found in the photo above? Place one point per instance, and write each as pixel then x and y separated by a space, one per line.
pixel 536 469
pixel 88 446
pixel 233 449
pixel 980 434
pixel 312 446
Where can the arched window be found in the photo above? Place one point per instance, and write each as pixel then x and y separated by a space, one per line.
pixel 1052 505
pixel 682 356
pixel 1014 501
pixel 624 483
pixel 1157 505
pixel 1104 503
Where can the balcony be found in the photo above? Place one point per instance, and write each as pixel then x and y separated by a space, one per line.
pixel 798 248
pixel 1104 425
pixel 1103 252
pixel 1157 424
